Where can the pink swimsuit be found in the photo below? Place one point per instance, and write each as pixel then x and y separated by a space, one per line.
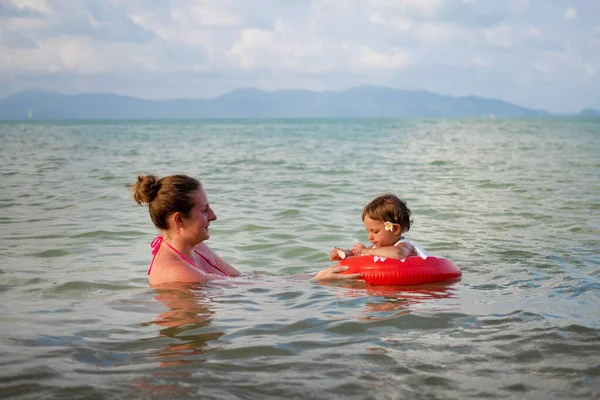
pixel 156 246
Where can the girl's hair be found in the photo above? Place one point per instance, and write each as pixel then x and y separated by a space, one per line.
pixel 388 207
pixel 165 196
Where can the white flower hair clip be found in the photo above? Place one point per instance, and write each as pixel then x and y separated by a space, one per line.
pixel 388 226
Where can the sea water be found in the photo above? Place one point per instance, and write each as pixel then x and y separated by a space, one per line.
pixel 514 202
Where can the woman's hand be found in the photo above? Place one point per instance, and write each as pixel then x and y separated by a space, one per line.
pixel 334 273
pixel 359 249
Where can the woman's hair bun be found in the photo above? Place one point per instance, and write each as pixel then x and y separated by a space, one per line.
pixel 145 189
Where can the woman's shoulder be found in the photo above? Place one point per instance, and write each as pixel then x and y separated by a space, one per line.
pixel 170 268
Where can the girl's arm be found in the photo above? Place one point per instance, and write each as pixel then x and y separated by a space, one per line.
pixel 399 252
pixel 224 265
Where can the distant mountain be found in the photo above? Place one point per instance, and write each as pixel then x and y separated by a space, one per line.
pixel 590 112
pixel 360 102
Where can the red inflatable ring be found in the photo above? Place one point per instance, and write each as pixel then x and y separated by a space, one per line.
pixel 410 271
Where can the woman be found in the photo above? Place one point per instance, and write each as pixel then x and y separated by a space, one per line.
pixel 179 208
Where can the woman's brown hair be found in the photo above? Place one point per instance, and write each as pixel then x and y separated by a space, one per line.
pixel 165 196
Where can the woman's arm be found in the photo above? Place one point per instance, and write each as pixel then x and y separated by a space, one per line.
pixel 334 273
pixel 224 265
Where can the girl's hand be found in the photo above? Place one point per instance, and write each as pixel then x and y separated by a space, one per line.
pixel 335 254
pixel 333 273
pixel 338 254
pixel 358 249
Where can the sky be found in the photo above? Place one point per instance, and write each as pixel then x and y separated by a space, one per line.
pixel 542 54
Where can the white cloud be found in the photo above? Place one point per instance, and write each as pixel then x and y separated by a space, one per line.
pixel 375 18
pixel 81 55
pixel 535 32
pixel 282 47
pixel 194 23
pixel 427 8
pixel 482 61
pixel 571 13
pixel 430 32
pixel 25 24
pixel 519 6
pixel 443 33
pixel 403 25
pixel 41 6
pixel 542 67
pixel 589 69
pixel 253 42
pixel 500 36
pixel 204 13
pixel 75 40
pixel 372 60
pixel 341 4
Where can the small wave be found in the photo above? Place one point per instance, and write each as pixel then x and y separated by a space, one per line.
pixel 495 185
pixel 253 227
pixel 110 235
pixel 510 254
pixel 109 178
pixel 75 286
pixel 61 207
pixel 51 253
pixel 288 213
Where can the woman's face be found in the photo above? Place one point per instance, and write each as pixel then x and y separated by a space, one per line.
pixel 197 224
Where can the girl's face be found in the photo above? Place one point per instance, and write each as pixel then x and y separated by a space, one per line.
pixel 196 225
pixel 378 235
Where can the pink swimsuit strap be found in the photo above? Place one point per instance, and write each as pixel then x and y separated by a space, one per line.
pixel 155 245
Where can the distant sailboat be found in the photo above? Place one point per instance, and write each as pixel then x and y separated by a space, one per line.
pixel 30 114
